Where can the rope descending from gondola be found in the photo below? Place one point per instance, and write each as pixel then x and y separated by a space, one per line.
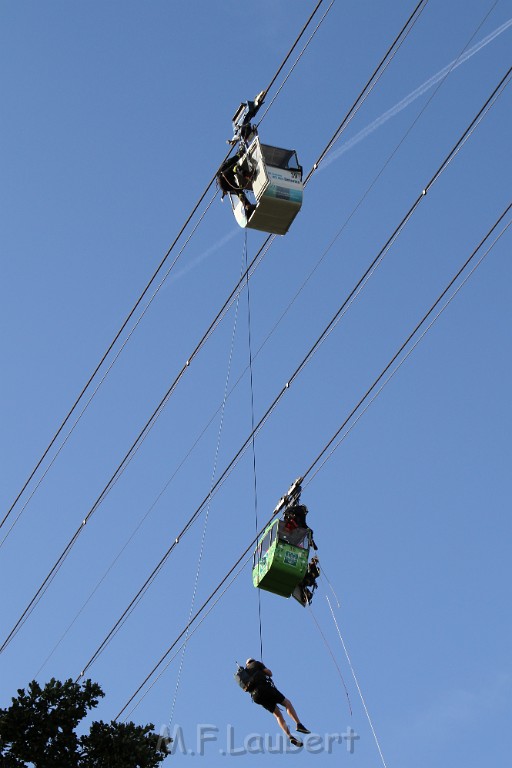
pixel 357 683
pixel 332 656
pixel 252 427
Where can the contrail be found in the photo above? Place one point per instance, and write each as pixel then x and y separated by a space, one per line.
pixel 414 95
pixel 198 259
pixel 364 133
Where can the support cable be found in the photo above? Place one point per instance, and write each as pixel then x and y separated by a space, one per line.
pixel 337 316
pixel 141 297
pixel 296 62
pixel 413 333
pixel 371 83
pixel 283 63
pixel 192 631
pixel 142 435
pixel 104 376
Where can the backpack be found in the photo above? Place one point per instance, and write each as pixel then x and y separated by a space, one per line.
pixel 243 677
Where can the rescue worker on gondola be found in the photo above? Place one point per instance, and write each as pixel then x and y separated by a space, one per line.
pixel 236 173
pixel 233 177
pixel 308 583
pixel 295 517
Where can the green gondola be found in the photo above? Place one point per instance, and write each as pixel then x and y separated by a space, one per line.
pixel 281 558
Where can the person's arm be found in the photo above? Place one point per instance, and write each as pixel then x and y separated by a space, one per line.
pixel 267 672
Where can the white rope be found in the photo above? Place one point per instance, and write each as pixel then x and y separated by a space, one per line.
pixel 357 684
pixel 205 525
pixel 331 655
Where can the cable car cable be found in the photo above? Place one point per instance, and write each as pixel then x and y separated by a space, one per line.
pixel 251 545
pixel 327 330
pixel 407 341
pixel 191 632
pixel 140 299
pixel 274 97
pixel 111 365
pixel 378 72
pixel 280 69
pixel 142 435
pixel 190 623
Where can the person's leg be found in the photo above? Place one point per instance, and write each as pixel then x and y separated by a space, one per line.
pixel 282 724
pixel 291 711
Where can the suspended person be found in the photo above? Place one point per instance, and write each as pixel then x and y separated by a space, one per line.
pixel 308 583
pixel 233 177
pixel 264 692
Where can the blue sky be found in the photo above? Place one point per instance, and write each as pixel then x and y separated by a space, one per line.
pixel 115 117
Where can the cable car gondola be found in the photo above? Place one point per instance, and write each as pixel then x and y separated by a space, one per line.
pixel 281 558
pixel 271 175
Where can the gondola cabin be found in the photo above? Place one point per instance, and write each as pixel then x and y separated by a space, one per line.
pixel 281 558
pixel 277 186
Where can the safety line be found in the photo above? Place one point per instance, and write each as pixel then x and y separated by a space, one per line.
pixel 207 513
pixel 254 473
pixel 357 683
pixel 331 655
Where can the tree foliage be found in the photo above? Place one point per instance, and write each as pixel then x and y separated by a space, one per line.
pixel 39 729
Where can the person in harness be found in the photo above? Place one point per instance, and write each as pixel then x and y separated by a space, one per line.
pixel 308 583
pixel 257 681
pixel 236 174
pixel 233 177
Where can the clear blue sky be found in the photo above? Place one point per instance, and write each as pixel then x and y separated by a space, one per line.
pixel 114 118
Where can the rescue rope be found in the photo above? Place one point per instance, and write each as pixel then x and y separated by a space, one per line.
pixel 324 575
pixel 357 683
pixel 207 512
pixel 252 429
pixel 331 655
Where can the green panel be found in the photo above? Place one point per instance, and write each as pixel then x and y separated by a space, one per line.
pixel 281 569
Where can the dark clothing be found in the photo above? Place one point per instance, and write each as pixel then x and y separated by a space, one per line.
pixel 234 176
pixel 268 697
pixel 261 687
